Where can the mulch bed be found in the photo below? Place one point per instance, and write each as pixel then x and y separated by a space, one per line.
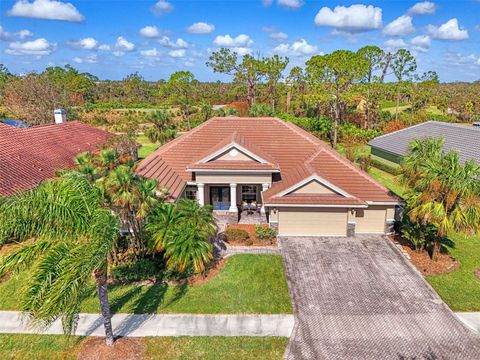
pixel 208 275
pixel 250 229
pixel 422 261
pixel 123 348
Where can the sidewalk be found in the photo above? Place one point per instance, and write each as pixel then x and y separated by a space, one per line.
pixel 162 325
pixel 470 319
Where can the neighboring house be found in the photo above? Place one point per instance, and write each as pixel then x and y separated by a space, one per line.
pixel 463 139
pixel 29 156
pixel 304 187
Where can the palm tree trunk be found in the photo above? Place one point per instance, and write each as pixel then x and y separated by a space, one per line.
pixel 398 103
pixel 101 280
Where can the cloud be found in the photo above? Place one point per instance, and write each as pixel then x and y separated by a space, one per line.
pixel 46 9
pixel 162 7
pixel 180 53
pixel 401 26
pixel 89 59
pixel 392 45
pixel 38 47
pixel 353 19
pixel 87 43
pixel 104 47
pixel 292 4
pixel 241 40
pixel 422 8
pixel 298 48
pixel 150 32
pixel 278 36
pixel 8 36
pixel 150 53
pixel 178 44
pixel 421 43
pixel 123 46
pixel 201 28
pixel 448 31
pixel 477 27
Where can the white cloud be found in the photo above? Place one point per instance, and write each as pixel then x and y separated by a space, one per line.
pixel 353 19
pixel 123 46
pixel 87 43
pixel 298 48
pixel 241 50
pixel 177 44
pixel 241 40
pixel 46 9
pixel 150 32
pixel 150 53
pixel 104 47
pixel 401 26
pixel 162 7
pixel 278 36
pixel 201 28
pixel 8 36
pixel 179 53
pixel 421 43
pixel 89 59
pixel 38 47
pixel 392 45
pixel 448 31
pixel 293 4
pixel 422 8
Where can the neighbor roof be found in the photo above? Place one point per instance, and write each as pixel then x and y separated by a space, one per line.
pixel 463 139
pixel 29 156
pixel 297 153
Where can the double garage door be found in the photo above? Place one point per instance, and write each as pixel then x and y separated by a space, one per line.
pixel 329 222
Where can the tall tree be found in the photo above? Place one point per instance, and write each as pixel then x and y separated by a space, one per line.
pixel 403 66
pixel 273 69
pixel 335 73
pixel 247 72
pixel 180 89
pixel 63 235
pixel 296 85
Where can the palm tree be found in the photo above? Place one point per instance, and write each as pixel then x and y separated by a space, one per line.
pixel 183 232
pixel 163 129
pixel 64 237
pixel 443 192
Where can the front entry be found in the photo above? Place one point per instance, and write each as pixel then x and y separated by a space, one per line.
pixel 220 197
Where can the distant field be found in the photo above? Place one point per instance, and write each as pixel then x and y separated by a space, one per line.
pixel 431 109
pixel 147 147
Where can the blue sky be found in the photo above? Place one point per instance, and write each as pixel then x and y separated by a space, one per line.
pixel 112 38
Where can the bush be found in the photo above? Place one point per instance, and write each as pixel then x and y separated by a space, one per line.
pixel 349 132
pixel 320 127
pixel 137 270
pixel 420 236
pixel 234 234
pixel 265 234
pixel 260 110
pixel 385 167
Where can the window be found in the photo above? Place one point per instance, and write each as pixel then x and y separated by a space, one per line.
pixel 249 193
pixel 191 193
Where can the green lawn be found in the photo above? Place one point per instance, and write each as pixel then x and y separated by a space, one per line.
pixel 247 284
pixel 53 347
pixel 147 147
pixel 459 289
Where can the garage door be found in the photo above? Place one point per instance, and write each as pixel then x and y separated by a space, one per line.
pixel 371 220
pixel 312 222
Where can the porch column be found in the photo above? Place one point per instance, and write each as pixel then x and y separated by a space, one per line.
pixel 233 198
pixel 201 194
pixel 264 188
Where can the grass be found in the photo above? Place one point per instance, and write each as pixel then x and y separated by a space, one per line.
pixel 248 284
pixel 53 347
pixel 147 147
pixel 460 289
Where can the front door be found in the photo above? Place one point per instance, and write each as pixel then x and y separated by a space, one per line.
pixel 220 197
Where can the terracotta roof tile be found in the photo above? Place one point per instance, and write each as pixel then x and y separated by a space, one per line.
pixel 29 156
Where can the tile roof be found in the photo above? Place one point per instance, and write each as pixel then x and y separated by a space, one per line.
pixel 298 154
pixel 463 139
pixel 29 156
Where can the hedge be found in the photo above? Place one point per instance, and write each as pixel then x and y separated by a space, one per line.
pixel 385 167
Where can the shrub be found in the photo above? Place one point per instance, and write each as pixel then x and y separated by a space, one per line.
pixel 385 167
pixel 234 234
pixel 260 110
pixel 320 127
pixel 137 270
pixel 420 236
pixel 394 126
pixel 365 162
pixel 264 234
pixel 349 132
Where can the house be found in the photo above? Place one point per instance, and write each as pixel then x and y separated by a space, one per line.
pixel 30 155
pixel 463 139
pixel 302 186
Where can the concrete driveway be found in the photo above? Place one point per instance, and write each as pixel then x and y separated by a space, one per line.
pixel 359 298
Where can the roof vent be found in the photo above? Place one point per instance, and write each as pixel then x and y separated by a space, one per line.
pixel 60 116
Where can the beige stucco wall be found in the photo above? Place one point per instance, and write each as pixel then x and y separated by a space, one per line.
pixel 372 219
pixel 313 187
pixel 312 221
pixel 240 156
pixel 246 178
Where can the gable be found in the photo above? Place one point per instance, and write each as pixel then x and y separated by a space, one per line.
pixel 313 187
pixel 234 154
